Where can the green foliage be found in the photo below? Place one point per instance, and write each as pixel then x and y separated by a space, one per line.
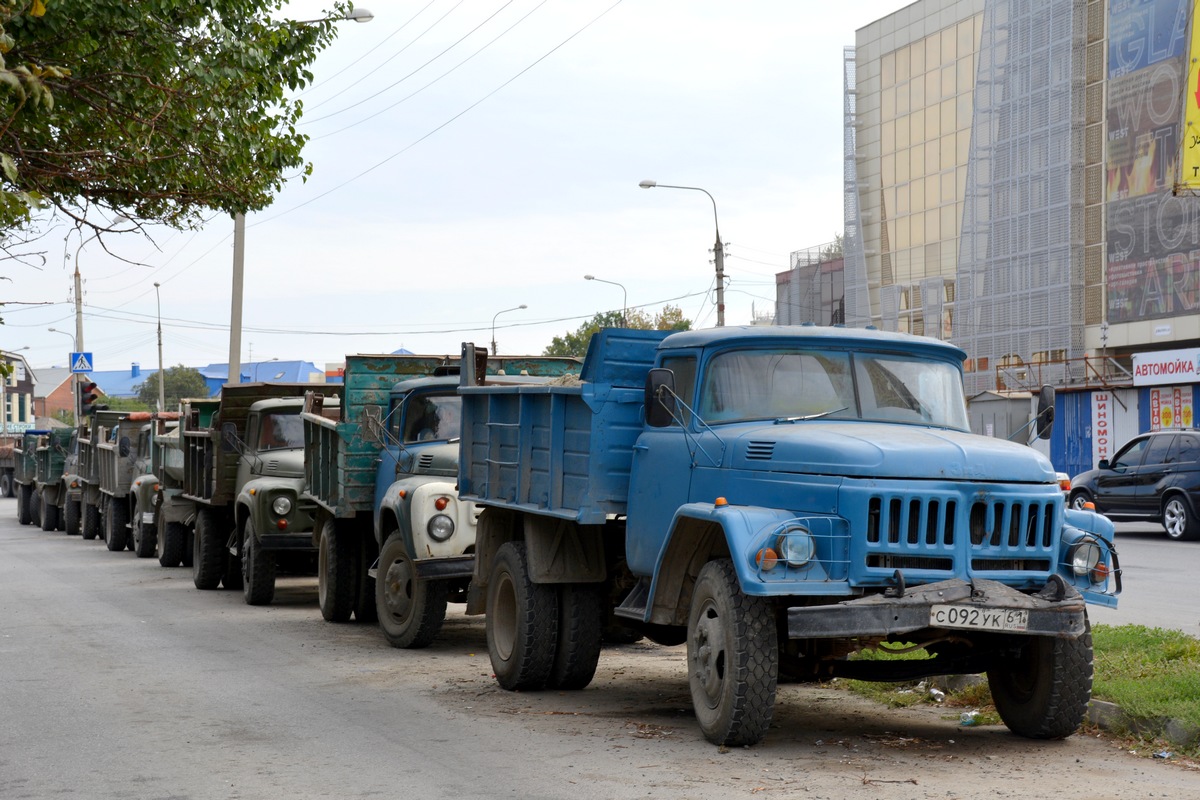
pixel 575 343
pixel 834 250
pixel 179 382
pixel 160 109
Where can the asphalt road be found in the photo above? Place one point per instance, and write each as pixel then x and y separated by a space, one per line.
pixel 118 679
pixel 1159 581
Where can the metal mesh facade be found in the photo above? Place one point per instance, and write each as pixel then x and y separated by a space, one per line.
pixel 1020 274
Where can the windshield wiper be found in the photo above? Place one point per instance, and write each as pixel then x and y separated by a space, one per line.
pixel 783 420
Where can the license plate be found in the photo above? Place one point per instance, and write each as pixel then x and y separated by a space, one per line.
pixel 981 619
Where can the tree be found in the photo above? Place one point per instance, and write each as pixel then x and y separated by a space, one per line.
pixel 159 111
pixel 180 382
pixel 575 344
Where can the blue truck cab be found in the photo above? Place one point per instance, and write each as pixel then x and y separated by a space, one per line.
pixel 781 498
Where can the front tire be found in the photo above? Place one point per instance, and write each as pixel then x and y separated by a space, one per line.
pixel 49 515
pixel 35 507
pixel 145 537
pixel 6 485
pixel 411 611
pixel 1042 690
pixel 116 518
pixel 91 524
pixel 71 517
pixel 337 565
pixel 522 622
pixel 208 551
pixel 733 658
pixel 170 540
pixel 1179 521
pixel 258 569
pixel 24 501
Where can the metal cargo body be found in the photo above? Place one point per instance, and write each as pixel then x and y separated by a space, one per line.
pixel 52 455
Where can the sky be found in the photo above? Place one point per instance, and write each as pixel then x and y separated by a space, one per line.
pixel 473 156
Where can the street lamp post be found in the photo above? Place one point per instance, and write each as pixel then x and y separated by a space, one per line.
pixel 239 243
pixel 624 296
pixel 162 378
pixel 75 347
pixel 718 248
pixel 498 313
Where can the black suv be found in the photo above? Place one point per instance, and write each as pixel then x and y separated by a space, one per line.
pixel 1154 477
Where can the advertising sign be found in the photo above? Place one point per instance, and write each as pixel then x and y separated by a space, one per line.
pixel 1102 426
pixel 1166 366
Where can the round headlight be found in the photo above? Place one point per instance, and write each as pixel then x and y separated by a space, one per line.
pixel 440 528
pixel 281 506
pixel 795 546
pixel 1085 555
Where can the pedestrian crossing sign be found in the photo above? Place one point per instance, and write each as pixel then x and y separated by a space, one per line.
pixel 81 362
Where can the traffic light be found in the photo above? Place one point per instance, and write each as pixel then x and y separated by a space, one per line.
pixel 88 393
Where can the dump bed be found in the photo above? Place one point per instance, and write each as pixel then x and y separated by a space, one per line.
pixel 92 433
pixel 566 450
pixel 52 455
pixel 209 470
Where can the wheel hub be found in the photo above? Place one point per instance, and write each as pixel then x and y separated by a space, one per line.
pixel 398 588
pixel 708 654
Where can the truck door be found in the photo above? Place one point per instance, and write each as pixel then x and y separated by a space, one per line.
pixel 661 474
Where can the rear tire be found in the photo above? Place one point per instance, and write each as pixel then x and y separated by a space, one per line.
pixel 337 564
pixel 24 501
pixel 116 518
pixel 364 604
pixel 208 551
pixel 6 485
pixel 1042 692
pixel 1179 521
pixel 411 611
pixel 258 569
pixel 170 541
pixel 580 635
pixel 90 525
pixel 522 622
pixel 71 517
pixel 35 507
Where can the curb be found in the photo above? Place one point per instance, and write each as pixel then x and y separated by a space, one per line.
pixel 1111 717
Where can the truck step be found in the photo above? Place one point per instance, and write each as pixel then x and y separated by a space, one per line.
pixel 634 605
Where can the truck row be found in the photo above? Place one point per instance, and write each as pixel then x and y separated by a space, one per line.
pixel 779 499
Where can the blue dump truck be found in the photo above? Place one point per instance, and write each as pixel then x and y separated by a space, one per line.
pixel 384 474
pixel 783 499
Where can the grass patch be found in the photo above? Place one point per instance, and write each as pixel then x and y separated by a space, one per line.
pixel 1153 674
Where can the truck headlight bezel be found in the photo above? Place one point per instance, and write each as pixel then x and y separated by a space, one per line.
pixel 796 546
pixel 440 527
pixel 1086 558
pixel 282 505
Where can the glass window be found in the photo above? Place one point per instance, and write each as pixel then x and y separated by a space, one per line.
pixel 775 384
pixel 280 431
pixel 902 105
pixel 966 73
pixel 1130 455
pixel 916 92
pixel 933 86
pixel 949 46
pixel 1157 452
pixel 916 166
pixel 432 417
pixel 916 233
pixel 933 184
pixel 887 137
pixel 916 128
pixel 902 65
pixel 966 37
pixel 933 51
pixel 903 131
pixel 887 70
pixel 949 81
pixel 887 104
pixel 1187 449
pixel 916 59
pixel 932 232
pixel 894 388
pixel 684 368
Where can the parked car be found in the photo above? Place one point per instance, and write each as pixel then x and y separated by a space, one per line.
pixel 1155 477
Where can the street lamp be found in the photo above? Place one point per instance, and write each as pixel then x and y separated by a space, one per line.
pixel 162 378
pixel 259 365
pixel 718 248
pixel 624 295
pixel 239 242
pixel 498 313
pixel 74 342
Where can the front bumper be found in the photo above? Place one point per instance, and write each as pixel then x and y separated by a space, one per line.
pixel 1057 610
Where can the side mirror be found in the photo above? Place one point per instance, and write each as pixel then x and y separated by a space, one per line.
pixel 1104 464
pixel 229 437
pixel 1045 412
pixel 123 446
pixel 660 398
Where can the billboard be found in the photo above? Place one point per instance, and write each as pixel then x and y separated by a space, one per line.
pixel 1153 235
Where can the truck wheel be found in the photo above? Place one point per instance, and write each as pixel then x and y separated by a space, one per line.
pixel 258 569
pixel 337 563
pixel 1178 520
pixel 1042 690
pixel 116 518
pixel 89 527
pixel 580 635
pixel 35 507
pixel 732 656
pixel 24 493
pixel 6 485
pixel 49 515
pixel 411 611
pixel 170 540
pixel 522 621
pixel 145 537
pixel 71 513
pixel 364 604
pixel 189 547
pixel 208 551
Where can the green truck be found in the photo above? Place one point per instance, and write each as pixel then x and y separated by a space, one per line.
pixel 243 472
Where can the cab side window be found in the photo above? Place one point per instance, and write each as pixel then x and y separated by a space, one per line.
pixel 684 368
pixel 1157 452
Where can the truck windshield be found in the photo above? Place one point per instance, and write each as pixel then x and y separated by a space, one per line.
pixel 429 417
pixel 281 431
pixel 799 384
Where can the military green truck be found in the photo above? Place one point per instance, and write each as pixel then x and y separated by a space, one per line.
pixel 53 455
pixel 29 511
pixel 94 430
pixel 385 474
pixel 126 481
pixel 171 517
pixel 243 471
pixel 8 483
